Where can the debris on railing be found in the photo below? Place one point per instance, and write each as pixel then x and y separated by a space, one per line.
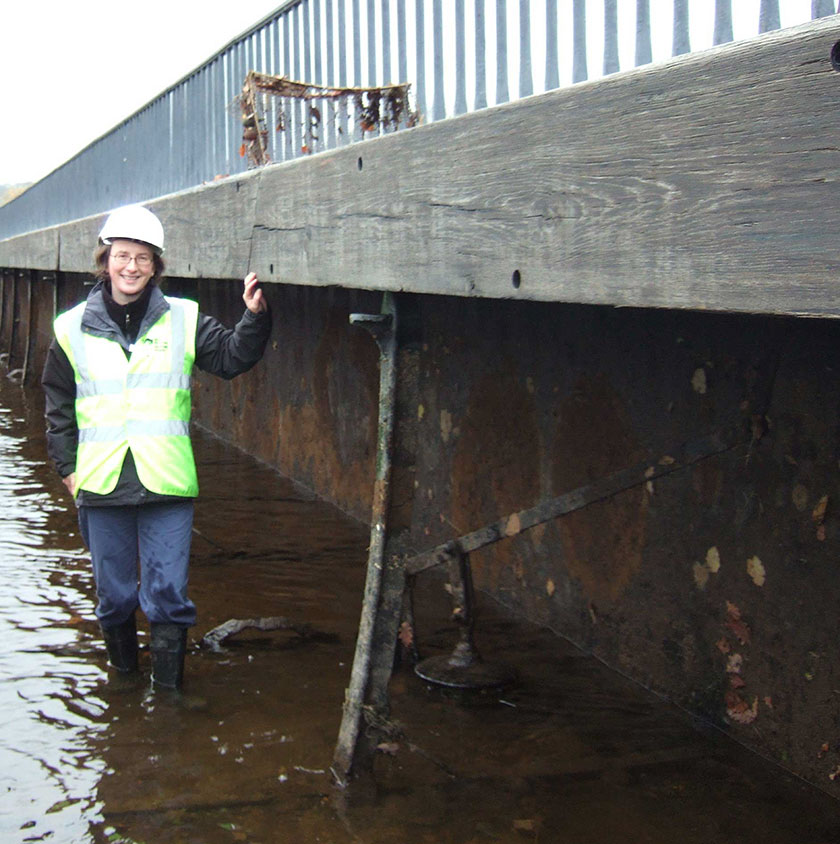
pixel 270 101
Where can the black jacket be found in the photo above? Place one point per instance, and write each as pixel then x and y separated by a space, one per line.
pixel 218 350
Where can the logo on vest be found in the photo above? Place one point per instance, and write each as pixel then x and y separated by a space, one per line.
pixel 155 344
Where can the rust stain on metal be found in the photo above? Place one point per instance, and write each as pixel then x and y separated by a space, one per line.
pixel 707 481
pixel 495 469
pixel 603 543
pixel 380 489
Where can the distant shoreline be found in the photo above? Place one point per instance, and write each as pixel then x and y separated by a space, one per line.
pixel 9 192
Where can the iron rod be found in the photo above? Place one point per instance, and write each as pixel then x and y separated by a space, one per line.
pixel 681 42
pixel 526 76
pixel 502 93
pixel 355 696
pixel 611 63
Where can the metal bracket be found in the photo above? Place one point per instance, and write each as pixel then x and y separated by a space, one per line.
pixel 463 668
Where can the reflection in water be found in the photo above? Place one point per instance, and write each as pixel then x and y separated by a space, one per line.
pixel 573 753
pixel 51 712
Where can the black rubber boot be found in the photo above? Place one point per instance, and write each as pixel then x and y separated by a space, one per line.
pixel 168 646
pixel 121 644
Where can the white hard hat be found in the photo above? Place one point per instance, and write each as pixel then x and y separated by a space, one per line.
pixel 133 222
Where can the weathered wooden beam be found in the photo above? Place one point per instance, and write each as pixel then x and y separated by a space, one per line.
pixel 208 232
pixel 705 182
pixel 34 251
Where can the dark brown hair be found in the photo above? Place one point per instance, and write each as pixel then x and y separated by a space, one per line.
pixel 103 253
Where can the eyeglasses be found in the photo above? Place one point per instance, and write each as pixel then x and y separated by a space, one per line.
pixel 122 259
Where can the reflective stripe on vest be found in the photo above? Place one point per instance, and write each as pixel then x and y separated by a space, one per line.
pixel 142 403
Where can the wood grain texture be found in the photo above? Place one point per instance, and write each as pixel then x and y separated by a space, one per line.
pixel 706 182
pixel 37 250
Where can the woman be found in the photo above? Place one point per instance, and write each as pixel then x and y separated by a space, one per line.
pixel 117 384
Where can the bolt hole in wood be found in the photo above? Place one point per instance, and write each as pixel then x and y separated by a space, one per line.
pixel 359 162
pixel 516 281
pixel 835 56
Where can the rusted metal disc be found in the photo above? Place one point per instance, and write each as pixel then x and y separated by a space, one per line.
pixel 477 675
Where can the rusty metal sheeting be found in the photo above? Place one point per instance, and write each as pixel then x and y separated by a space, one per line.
pixel 605 487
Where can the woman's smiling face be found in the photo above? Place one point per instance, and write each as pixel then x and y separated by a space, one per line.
pixel 130 267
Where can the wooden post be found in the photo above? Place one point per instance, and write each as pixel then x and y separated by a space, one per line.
pixel 13 319
pixel 29 321
pixel 3 275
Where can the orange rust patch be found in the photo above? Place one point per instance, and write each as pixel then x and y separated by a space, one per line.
pixel 306 454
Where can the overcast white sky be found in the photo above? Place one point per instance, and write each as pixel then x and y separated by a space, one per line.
pixel 70 70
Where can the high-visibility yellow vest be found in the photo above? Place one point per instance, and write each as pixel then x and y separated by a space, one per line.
pixel 142 402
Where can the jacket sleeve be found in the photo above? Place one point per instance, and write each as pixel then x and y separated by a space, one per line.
pixel 59 385
pixel 229 352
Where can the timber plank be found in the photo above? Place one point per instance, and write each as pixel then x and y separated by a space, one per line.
pixel 705 182
pixel 34 251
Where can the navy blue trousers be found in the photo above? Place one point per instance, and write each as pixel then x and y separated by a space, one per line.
pixel 151 541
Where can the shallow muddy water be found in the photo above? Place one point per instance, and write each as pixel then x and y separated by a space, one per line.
pixel 571 753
